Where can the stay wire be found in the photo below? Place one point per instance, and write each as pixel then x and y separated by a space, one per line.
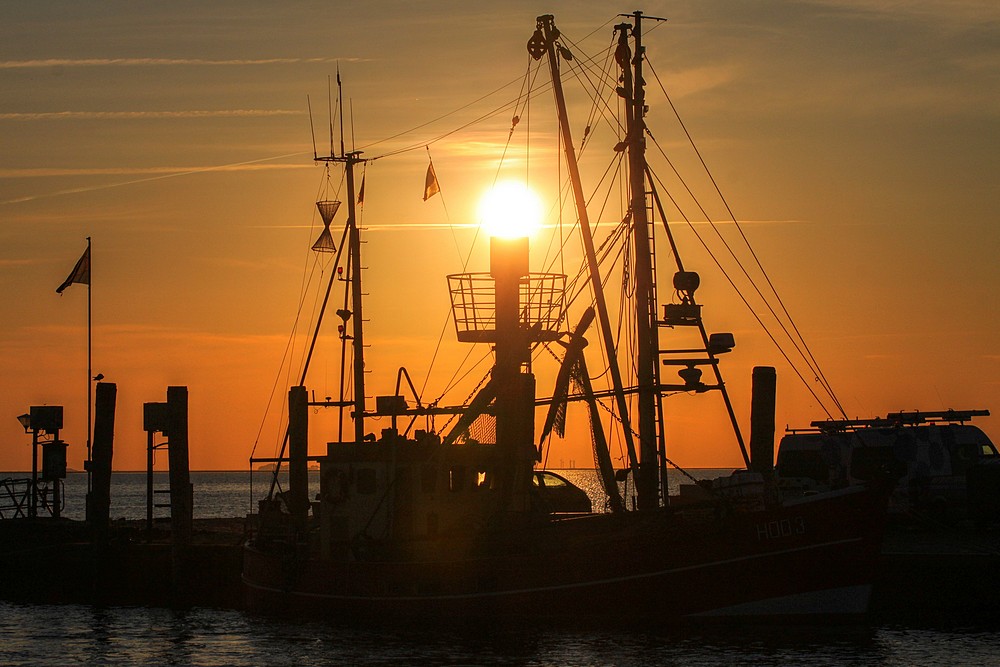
pixel 739 293
pixel 814 365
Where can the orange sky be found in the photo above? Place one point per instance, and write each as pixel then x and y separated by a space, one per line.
pixel 856 139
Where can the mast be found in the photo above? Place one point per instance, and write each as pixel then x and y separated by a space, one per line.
pixel 354 241
pixel 543 43
pixel 354 276
pixel 354 263
pixel 647 342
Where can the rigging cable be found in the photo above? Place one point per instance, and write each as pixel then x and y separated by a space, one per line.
pixel 810 359
pixel 729 278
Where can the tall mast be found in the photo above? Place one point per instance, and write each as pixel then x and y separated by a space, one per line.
pixel 633 90
pixel 349 160
pixel 543 43
pixel 354 264
pixel 354 240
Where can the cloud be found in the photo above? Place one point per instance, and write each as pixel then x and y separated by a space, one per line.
pixel 943 12
pixel 157 62
pixel 142 115
pixel 159 173
pixel 6 263
pixel 36 172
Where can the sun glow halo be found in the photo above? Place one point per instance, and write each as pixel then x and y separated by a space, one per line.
pixel 510 210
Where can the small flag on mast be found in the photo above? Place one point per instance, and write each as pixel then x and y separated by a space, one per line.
pixel 361 192
pixel 431 186
pixel 79 274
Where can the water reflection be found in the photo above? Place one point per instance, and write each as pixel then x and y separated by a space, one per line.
pixel 73 634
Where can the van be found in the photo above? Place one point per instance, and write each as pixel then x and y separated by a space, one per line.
pixel 944 468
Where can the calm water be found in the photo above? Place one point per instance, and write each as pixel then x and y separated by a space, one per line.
pixel 229 494
pixel 72 634
pixel 76 634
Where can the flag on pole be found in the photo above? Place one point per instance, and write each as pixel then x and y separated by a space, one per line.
pixel 431 186
pixel 361 192
pixel 79 274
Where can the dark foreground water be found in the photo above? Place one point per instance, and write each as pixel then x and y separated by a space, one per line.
pixel 72 635
pixel 77 634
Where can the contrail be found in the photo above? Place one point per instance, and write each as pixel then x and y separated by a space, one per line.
pixel 129 115
pixel 132 62
pixel 158 177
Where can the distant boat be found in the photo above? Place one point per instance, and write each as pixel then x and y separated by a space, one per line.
pixel 423 524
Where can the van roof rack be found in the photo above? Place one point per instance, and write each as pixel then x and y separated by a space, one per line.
pixel 895 419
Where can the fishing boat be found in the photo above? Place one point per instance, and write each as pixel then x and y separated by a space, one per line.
pixel 432 523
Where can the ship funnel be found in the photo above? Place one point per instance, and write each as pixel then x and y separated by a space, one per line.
pixel 327 209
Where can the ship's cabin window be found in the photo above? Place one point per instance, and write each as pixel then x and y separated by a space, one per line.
pixel 365 480
pixel 456 478
pixel 428 478
pixel 485 478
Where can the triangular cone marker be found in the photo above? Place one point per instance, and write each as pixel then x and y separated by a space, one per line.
pixel 325 241
pixel 327 209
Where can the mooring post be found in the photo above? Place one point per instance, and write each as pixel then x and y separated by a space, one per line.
pixel 99 498
pixel 762 420
pixel 181 491
pixel 298 452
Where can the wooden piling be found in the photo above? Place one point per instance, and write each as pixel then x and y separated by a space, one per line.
pixel 298 452
pixel 762 420
pixel 99 497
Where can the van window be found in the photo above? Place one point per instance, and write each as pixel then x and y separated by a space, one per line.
pixel 962 456
pixel 871 462
pixel 804 464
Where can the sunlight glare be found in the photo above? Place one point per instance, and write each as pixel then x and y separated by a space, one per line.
pixel 510 210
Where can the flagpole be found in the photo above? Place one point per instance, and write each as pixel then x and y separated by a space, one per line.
pixel 90 374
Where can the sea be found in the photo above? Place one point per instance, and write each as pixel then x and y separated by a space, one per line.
pixel 36 634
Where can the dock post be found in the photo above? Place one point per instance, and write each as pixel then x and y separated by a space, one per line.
pixel 762 420
pixel 99 497
pixel 298 452
pixel 181 491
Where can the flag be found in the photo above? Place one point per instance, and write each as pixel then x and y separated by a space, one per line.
pixel 79 274
pixel 361 192
pixel 431 186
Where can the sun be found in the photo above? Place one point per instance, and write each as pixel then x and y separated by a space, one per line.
pixel 510 210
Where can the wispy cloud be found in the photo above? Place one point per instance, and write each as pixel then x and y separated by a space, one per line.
pixel 143 115
pixel 145 62
pixel 944 12
pixel 158 175
pixel 8 263
pixel 119 171
pixel 423 226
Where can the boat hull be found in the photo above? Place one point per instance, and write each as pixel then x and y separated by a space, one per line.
pixel 809 559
